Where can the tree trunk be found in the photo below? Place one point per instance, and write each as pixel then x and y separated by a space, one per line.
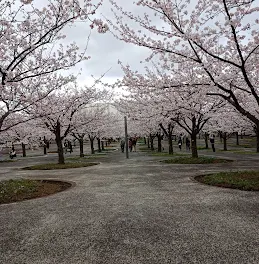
pixel 257 138
pixel 99 145
pixel 148 142
pixel 23 150
pixel 237 138
pixel 58 139
pixel 145 141
pixel 170 143
pixel 81 147
pixel 152 143
pixel 194 145
pixel 159 143
pixel 224 136
pixel 45 146
pixel 220 136
pixel 102 145
pixel 206 140
pixel 92 145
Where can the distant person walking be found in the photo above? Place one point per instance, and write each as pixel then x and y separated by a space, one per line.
pixel 180 143
pixel 12 153
pixel 134 143
pixel 130 144
pixel 188 143
pixel 212 141
pixel 122 145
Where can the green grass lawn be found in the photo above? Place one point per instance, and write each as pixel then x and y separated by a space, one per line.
pixel 55 166
pixel 243 180
pixel 199 160
pixel 7 160
pixel 86 157
pixel 165 154
pixel 13 188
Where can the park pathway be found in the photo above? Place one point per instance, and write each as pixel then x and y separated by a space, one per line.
pixel 135 211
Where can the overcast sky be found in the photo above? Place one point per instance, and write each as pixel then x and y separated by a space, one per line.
pixel 105 50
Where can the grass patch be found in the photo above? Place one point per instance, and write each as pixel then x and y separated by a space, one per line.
pixel 202 148
pixel 199 160
pixel 145 149
pixel 243 180
pixel 55 166
pixel 23 189
pixel 164 154
pixel 3 161
pixel 86 157
pixel 109 149
pixel 241 146
pixel 249 152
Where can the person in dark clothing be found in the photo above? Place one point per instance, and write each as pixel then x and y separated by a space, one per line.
pixel 70 147
pixel 134 143
pixel 130 144
pixel 12 153
pixel 212 141
pixel 180 143
pixel 187 144
pixel 122 145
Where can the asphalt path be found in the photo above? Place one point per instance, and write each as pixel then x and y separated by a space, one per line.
pixel 137 211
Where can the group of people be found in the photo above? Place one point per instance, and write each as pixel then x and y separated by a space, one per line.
pixel 133 141
pixel 187 142
pixel 68 146
pixel 12 153
pixel 131 144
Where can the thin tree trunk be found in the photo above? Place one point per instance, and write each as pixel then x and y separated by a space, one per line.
pixel 81 147
pixel 237 138
pixel 61 159
pixel 45 150
pixel 92 145
pixel 257 138
pixel 99 145
pixel 145 141
pixel 224 136
pixel 194 145
pixel 152 142
pixel 102 145
pixel 170 143
pixel 148 142
pixel 23 150
pixel 45 146
pixel 206 140
pixel 220 136
pixel 159 143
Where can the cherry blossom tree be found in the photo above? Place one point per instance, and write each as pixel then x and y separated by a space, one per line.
pixel 169 94
pixel 227 122
pixel 31 37
pixel 217 37
pixel 85 120
pixel 59 111
pixel 16 100
pixel 32 49
pixel 27 134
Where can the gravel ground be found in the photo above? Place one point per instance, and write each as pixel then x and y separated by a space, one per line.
pixel 131 211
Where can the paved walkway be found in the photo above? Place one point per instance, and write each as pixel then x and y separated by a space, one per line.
pixel 137 211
